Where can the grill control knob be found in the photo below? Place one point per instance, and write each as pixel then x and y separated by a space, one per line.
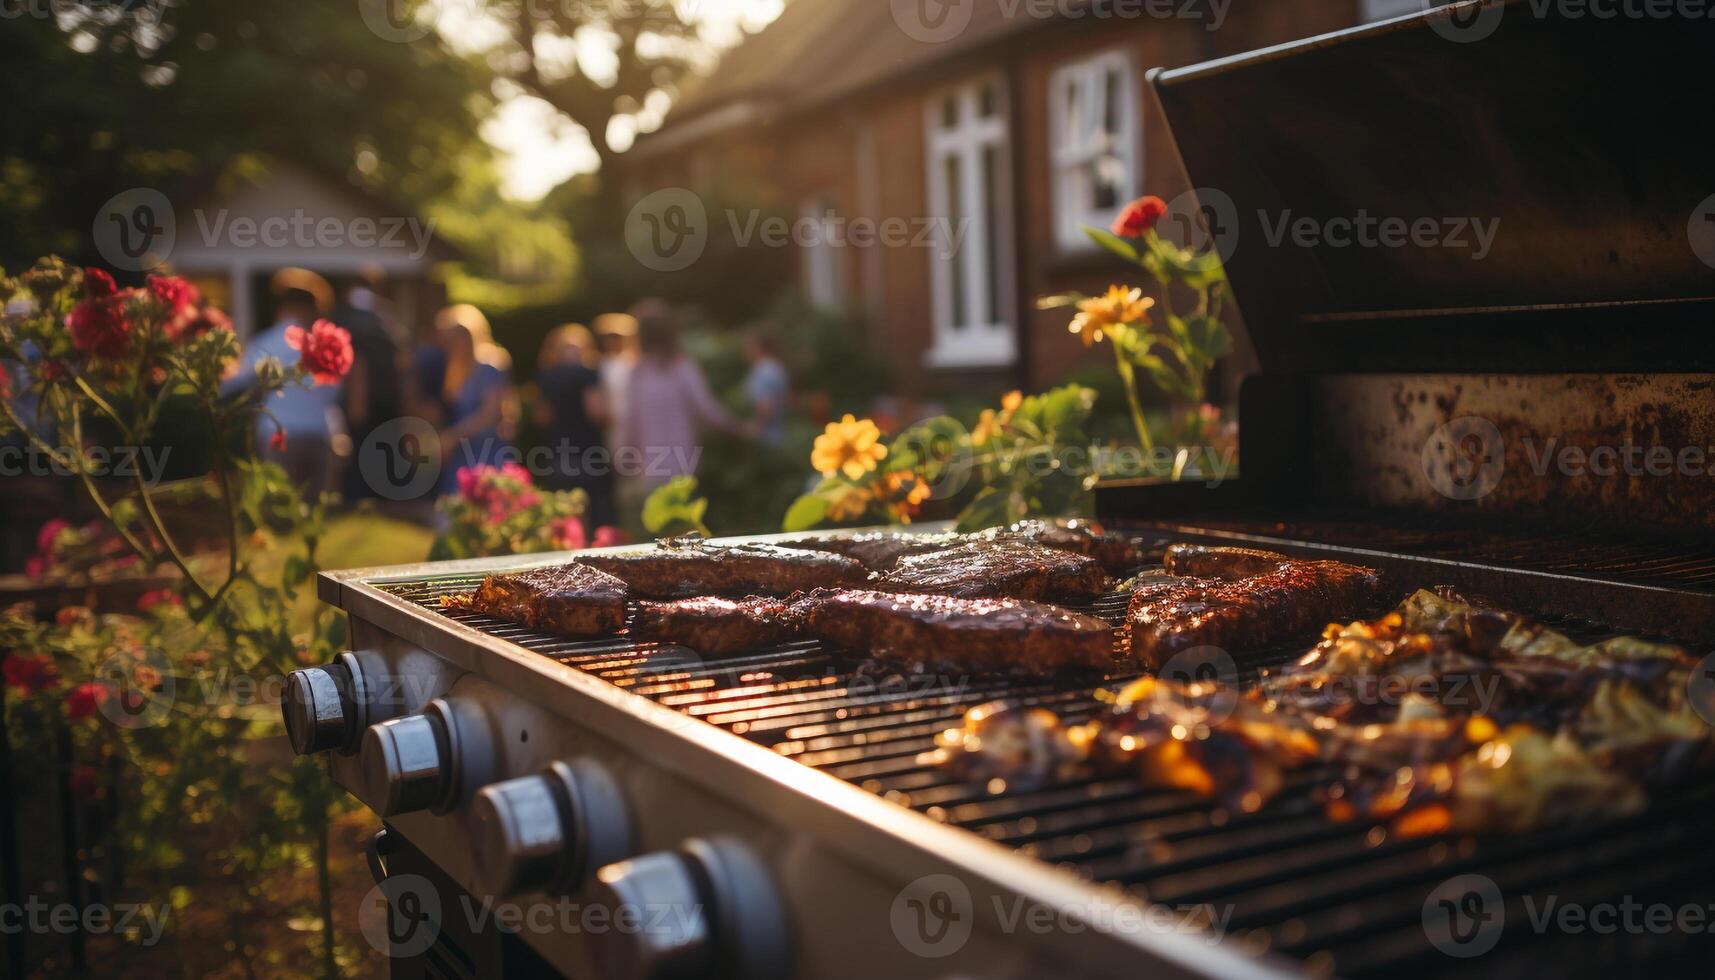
pixel 328 707
pixel 406 764
pixel 548 831
pixel 707 909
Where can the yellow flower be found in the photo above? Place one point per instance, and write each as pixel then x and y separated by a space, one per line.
pixel 1119 307
pixel 850 504
pixel 990 422
pixel 906 490
pixel 848 446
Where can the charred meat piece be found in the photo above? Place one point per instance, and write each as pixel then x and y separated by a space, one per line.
pixel 877 551
pixel 571 600
pixel 1012 569
pixel 682 568
pixel 1118 553
pixel 1231 564
pixel 943 633
pixel 1246 611
pixel 713 625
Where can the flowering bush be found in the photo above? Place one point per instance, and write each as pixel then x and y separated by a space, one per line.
pixel 160 689
pixel 1010 466
pixel 499 511
pixel 1175 350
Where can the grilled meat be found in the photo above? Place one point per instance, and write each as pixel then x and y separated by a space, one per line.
pixel 1013 569
pixel 940 633
pixel 571 600
pixel 680 568
pixel 1244 603
pixel 1118 553
pixel 877 551
pixel 713 625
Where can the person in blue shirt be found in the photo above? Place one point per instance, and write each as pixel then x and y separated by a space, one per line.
pixel 476 392
pixel 766 388
pixel 299 425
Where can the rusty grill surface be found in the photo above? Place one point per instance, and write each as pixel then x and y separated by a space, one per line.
pixel 1344 899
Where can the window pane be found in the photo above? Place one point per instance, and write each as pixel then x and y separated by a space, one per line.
pixel 991 235
pixel 1111 102
pixel 1074 120
pixel 950 113
pixel 955 220
pixel 986 103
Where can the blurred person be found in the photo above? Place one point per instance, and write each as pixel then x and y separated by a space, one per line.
pixel 571 409
pixel 475 390
pixel 299 426
pixel 617 335
pixel 373 389
pixel 668 404
pixel 766 387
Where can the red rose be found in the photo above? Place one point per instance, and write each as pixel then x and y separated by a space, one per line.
pixel 1139 217
pixel 174 293
pixel 324 350
pixel 98 326
pixel 97 283
pixel 85 700
pixel 30 672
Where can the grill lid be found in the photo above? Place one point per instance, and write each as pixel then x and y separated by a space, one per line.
pixel 1548 187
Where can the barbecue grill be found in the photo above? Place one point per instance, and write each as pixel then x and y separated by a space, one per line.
pixel 774 799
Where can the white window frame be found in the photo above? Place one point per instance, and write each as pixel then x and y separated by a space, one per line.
pixel 984 342
pixel 1070 157
pixel 822 261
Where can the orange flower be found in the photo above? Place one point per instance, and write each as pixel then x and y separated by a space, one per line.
pixel 848 446
pixel 1119 307
pixel 991 422
pixel 850 504
pixel 906 490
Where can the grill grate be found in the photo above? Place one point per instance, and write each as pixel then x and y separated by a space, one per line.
pixel 1341 897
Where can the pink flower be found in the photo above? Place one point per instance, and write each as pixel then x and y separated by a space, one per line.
pixel 567 533
pixel 29 672
pixel 35 568
pixel 277 441
pixel 158 597
pixel 208 319
pixel 607 536
pixel 85 700
pixel 97 283
pixel 49 533
pixel 324 350
pixel 1139 217
pixel 174 294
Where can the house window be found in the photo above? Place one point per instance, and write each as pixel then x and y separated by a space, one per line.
pixel 968 201
pixel 822 254
pixel 1093 119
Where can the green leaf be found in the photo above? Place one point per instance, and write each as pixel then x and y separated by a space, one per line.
pixel 805 513
pixel 992 507
pixel 674 508
pixel 1113 243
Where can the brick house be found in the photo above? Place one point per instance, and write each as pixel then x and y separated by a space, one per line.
pixel 1017 120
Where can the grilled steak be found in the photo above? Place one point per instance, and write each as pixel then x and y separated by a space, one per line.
pixel 984 569
pixel 713 625
pixel 682 568
pixel 877 551
pixel 938 633
pixel 571 600
pixel 1253 599
pixel 1118 553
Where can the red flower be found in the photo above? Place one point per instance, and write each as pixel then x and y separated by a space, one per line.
pixel 1139 217
pixel 158 597
pixel 85 700
pixel 277 441
pixel 97 283
pixel 29 672
pixel 49 533
pixel 174 293
pixel 207 319
pixel 324 350
pixel 607 536
pixel 98 326
pixel 568 533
